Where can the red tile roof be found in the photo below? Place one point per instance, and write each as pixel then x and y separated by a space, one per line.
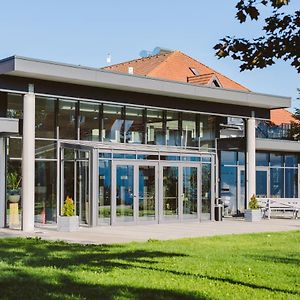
pixel 177 66
pixel 174 65
pixel 281 116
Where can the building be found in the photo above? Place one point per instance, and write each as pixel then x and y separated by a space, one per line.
pixel 133 149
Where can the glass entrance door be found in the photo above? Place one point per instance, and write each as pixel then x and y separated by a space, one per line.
pixel 262 182
pixel 82 185
pixel 190 193
pixel 135 190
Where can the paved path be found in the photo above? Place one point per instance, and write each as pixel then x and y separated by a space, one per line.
pixel 140 233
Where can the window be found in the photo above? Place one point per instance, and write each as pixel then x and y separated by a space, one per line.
pixel 45 117
pixel 112 124
pixel 89 121
pixel 67 119
pixel 194 71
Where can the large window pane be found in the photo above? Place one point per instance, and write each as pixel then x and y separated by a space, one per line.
pixel 45 191
pixel 45 117
pixel 277 186
pixel 89 121
pixel 189 135
pixel 291 184
pixel 104 191
pixel 207 131
pixel 262 159
pixel 173 129
pixel 134 125
pixel 155 128
pixel 14 106
pixel 112 124
pixel 67 119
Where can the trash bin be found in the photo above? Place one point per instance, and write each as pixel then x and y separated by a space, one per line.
pixel 218 212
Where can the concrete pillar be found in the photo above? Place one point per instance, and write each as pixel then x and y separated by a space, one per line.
pixel 28 162
pixel 2 182
pixel 251 170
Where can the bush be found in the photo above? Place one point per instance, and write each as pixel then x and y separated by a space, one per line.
pixel 253 204
pixel 69 207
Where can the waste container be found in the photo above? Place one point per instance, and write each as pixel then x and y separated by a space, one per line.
pixel 218 212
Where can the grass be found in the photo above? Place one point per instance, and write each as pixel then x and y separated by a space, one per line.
pixel 252 266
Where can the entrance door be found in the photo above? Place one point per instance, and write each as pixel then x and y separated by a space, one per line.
pixel 262 182
pixel 82 185
pixel 135 190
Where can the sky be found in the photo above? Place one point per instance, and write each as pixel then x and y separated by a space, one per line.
pixel 84 32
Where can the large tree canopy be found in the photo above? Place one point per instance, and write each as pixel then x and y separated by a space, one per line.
pixel 281 39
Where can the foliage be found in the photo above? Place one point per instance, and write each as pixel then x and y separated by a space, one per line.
pixel 13 181
pixel 222 267
pixel 281 38
pixel 253 204
pixel 69 207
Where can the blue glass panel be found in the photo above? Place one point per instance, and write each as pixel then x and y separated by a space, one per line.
pixel 262 159
pixel 277 183
pixel 291 186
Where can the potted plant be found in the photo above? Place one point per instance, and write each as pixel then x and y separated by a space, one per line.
pixel 253 213
pixel 13 183
pixel 68 221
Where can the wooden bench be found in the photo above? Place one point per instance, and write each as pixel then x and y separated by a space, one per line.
pixel 279 204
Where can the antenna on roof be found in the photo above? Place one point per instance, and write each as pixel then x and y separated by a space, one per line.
pixel 108 58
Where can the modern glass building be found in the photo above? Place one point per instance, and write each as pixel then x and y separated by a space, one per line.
pixel 130 149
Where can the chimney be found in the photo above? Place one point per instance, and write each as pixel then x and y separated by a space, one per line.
pixel 130 70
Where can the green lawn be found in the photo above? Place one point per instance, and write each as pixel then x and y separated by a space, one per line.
pixel 252 266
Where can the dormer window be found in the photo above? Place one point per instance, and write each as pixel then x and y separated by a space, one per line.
pixel 194 71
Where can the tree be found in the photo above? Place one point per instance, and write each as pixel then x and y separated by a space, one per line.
pixel 280 41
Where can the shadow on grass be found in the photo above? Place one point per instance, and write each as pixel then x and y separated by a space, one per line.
pixel 22 285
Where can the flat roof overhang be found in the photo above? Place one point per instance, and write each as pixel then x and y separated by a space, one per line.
pixel 60 72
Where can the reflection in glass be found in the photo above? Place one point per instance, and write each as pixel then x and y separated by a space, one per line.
pixel 190 192
pixel 89 121
pixel 45 117
pixel 112 124
pixel 206 192
pixel 125 192
pixel 173 131
pixel 82 189
pixel 189 135
pixel 207 131
pixel 147 192
pixel 170 191
pixel 277 183
pixel 291 185
pixel 104 191
pixel 67 119
pixel 261 184
pixel 45 191
pixel 134 125
pixel 155 128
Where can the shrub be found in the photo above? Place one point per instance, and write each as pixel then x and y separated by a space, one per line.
pixel 69 207
pixel 253 204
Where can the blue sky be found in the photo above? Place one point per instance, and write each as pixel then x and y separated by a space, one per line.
pixel 84 32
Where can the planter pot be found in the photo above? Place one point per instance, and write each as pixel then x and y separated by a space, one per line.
pixel 67 224
pixel 252 215
pixel 14 198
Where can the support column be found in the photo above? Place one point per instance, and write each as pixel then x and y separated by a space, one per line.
pixel 28 162
pixel 2 182
pixel 251 168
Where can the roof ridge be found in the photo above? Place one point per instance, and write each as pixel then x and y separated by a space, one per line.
pixel 137 59
pixel 213 70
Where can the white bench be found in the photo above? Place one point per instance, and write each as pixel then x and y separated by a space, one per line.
pixel 279 204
